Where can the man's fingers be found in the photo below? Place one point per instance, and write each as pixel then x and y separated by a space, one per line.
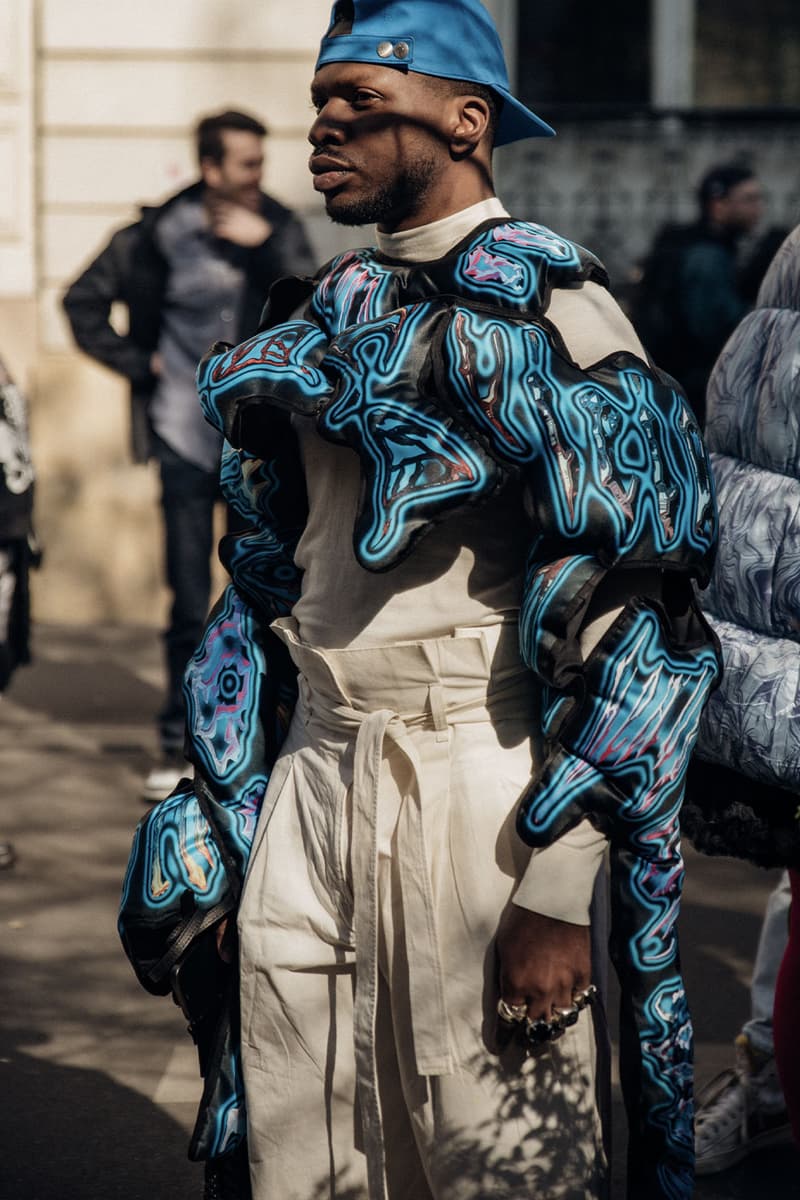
pixel 512 1012
pixel 542 964
pixel 539 1004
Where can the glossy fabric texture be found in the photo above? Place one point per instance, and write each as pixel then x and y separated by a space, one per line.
pixel 190 852
pixel 621 759
pixel 447 382
pixel 756 579
pixel 754 597
pixel 511 264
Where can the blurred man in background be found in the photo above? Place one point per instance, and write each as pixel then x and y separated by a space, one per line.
pixel 191 271
pixel 691 296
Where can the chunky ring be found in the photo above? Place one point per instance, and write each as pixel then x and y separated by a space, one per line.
pixel 512 1014
pixel 540 1031
pixel 583 998
pixel 567 1017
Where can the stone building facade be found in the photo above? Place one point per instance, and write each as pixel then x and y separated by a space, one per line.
pixel 97 101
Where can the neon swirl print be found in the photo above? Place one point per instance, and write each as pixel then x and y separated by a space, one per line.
pixel 221 688
pixel 445 381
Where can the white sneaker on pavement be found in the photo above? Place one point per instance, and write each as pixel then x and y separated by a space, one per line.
pixel 740 1111
pixel 163 778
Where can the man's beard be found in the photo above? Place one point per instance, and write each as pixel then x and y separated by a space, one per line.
pixel 391 202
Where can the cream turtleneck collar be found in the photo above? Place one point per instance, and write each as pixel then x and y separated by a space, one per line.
pixel 429 242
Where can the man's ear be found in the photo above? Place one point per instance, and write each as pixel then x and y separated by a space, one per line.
pixel 210 172
pixel 471 124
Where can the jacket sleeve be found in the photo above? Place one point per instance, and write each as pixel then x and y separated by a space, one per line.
pixel 87 304
pixel 559 881
pixel 623 520
pixel 623 524
pixel 190 852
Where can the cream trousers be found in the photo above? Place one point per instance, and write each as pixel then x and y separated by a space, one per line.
pixel 383 859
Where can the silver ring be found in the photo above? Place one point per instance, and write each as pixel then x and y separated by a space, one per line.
pixel 567 1017
pixel 512 1014
pixel 585 997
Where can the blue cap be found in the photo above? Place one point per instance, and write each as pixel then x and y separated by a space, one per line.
pixel 451 39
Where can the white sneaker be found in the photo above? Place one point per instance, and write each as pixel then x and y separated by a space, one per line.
pixel 163 778
pixel 740 1111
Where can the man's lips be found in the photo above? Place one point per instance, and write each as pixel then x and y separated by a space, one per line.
pixel 329 173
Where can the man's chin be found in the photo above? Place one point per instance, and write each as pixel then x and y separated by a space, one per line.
pixel 348 211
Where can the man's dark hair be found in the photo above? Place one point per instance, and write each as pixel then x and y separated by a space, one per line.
pixel 717 183
pixel 209 131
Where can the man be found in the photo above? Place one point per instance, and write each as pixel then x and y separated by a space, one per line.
pixel 196 268
pixel 692 295
pixel 415 983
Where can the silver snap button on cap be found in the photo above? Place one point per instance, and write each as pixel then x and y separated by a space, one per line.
pixel 384 49
pixel 402 50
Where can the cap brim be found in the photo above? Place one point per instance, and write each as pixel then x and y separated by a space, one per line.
pixel 518 122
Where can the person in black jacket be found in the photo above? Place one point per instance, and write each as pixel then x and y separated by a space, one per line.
pixel 692 294
pixel 195 270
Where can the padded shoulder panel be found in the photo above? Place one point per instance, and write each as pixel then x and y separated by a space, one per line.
pixel 443 402
pixel 614 458
pixel 420 461
pixel 279 365
pixel 511 265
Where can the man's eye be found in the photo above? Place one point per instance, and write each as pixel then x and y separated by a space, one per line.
pixel 362 98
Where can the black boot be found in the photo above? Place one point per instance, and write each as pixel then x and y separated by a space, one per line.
pixel 228 1178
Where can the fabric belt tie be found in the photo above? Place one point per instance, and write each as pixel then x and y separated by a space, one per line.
pixel 432 1049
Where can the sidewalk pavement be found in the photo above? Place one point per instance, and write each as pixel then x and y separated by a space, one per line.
pixel 98 1079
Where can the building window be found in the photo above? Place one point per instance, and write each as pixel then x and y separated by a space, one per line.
pixel 747 55
pixel 577 52
pixel 626 54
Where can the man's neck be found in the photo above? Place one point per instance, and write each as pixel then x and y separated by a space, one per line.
pixel 426 243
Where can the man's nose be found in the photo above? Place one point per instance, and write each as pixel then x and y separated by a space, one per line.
pixel 327 130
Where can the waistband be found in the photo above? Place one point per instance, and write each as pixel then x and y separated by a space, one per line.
pixel 472 664
pixel 380 694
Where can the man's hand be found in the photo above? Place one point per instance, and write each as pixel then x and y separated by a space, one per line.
pixel 235 223
pixel 542 961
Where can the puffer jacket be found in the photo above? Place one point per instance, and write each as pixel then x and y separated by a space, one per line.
pixel 742 795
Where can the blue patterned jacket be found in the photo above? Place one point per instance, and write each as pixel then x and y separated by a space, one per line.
pixel 449 383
